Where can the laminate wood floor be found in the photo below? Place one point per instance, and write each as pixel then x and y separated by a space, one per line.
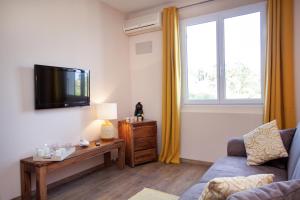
pixel 114 184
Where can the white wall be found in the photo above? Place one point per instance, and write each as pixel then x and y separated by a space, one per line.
pixel 146 77
pixel 205 133
pixel 205 130
pixel 81 33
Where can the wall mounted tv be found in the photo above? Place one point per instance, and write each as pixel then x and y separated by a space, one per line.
pixel 58 87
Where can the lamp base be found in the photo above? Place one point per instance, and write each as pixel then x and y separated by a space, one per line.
pixel 107 132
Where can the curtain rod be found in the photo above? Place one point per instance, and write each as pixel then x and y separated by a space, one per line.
pixel 194 4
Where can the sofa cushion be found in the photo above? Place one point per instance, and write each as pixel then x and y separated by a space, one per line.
pixel 294 153
pixel 194 192
pixel 288 190
pixel 264 144
pixel 287 136
pixel 221 188
pixel 237 166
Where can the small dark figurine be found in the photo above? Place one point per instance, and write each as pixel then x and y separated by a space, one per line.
pixel 139 110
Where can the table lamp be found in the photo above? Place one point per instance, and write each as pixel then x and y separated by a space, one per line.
pixel 107 112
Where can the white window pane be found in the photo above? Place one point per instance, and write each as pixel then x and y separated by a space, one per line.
pixel 202 61
pixel 243 57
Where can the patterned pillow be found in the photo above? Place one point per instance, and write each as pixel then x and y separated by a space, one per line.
pixel 263 144
pixel 221 188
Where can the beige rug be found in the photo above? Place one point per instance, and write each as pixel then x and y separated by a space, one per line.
pixel 150 194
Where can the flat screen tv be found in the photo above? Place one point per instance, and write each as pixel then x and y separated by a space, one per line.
pixel 59 87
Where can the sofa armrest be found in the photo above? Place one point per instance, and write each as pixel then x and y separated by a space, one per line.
pixel 288 190
pixel 236 147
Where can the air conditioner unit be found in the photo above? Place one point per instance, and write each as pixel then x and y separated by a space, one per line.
pixel 143 24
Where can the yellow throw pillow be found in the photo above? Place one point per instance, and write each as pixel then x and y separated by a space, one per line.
pixel 221 188
pixel 263 144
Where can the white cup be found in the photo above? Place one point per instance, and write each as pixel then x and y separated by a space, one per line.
pixel 46 150
pixel 40 152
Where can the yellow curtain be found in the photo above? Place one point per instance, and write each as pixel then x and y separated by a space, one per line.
pixel 279 88
pixel 171 87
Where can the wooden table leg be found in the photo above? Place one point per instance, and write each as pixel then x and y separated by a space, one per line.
pixel 107 159
pixel 41 184
pixel 25 181
pixel 121 156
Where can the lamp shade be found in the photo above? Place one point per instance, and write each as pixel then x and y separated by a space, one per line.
pixel 107 111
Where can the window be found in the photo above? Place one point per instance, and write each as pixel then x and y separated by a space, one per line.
pixel 224 56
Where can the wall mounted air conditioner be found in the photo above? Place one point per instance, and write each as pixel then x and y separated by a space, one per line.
pixel 143 24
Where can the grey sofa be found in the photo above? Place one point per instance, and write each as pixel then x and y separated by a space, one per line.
pixel 286 171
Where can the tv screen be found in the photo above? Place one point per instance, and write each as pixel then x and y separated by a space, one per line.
pixel 58 87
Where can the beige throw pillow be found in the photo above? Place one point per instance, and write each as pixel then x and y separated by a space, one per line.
pixel 221 188
pixel 263 144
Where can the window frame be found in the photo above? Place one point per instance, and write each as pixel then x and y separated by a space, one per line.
pixel 219 18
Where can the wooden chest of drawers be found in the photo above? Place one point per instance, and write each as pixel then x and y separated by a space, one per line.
pixel 140 141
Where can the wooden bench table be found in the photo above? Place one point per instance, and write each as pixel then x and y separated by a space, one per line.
pixel 28 166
